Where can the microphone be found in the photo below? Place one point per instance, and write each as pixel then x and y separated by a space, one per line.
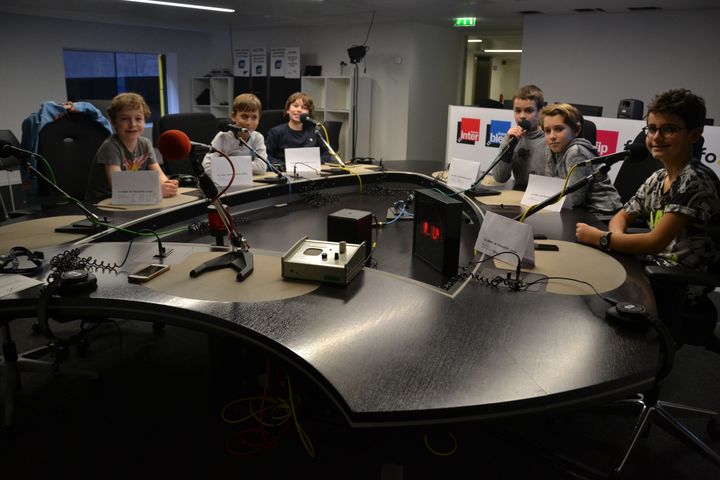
pixel 13 155
pixel 475 188
pixel 634 152
pixel 225 126
pixel 525 125
pixel 175 145
pixel 305 118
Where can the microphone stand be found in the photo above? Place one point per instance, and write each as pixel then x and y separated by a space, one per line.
pixel 479 191
pixel 93 221
pixel 296 175
pixel 239 258
pixel 331 151
pixel 280 177
pixel 604 168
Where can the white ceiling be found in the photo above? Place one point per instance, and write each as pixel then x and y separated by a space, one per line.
pixel 494 16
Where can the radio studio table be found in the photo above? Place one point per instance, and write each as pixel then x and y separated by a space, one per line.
pixel 401 344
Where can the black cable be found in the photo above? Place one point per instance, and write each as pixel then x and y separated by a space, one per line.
pixel 372 20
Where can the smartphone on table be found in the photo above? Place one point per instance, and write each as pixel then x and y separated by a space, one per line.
pixel 147 272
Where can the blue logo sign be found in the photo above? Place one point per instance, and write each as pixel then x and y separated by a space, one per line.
pixel 495 132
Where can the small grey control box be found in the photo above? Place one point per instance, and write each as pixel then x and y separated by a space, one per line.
pixel 323 261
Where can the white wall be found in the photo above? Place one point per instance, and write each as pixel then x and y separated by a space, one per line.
pixel 505 77
pixel 602 58
pixel 415 72
pixel 33 70
pixel 435 69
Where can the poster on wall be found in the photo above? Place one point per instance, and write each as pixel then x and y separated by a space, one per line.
pixel 241 58
pixel 259 62
pixel 277 62
pixel 292 62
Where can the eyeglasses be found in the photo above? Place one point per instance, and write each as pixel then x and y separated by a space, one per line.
pixel 665 130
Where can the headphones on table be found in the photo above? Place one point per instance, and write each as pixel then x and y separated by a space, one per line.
pixel 10 263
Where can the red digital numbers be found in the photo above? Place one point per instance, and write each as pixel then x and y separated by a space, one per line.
pixel 431 230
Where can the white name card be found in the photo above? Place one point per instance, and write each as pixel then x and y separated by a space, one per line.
pixel 136 188
pixel 306 160
pixel 462 173
pixel 541 188
pixel 500 234
pixel 222 172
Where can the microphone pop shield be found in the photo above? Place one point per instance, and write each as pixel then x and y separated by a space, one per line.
pixel 638 152
pixel 524 124
pixel 174 145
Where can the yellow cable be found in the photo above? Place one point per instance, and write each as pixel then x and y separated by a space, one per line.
pixel 442 454
pixel 340 160
pixel 307 443
pixel 562 193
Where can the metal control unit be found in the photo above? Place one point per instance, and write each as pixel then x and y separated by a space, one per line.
pixel 322 261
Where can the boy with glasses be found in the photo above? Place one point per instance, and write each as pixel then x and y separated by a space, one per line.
pixel 680 201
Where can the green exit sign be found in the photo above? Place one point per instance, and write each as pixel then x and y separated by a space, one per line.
pixel 464 22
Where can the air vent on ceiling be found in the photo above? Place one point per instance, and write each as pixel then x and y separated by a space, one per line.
pixel 530 12
pixel 643 9
pixel 587 10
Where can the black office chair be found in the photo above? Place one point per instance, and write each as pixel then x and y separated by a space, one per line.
pixel 589 131
pixel 632 174
pixel 333 128
pixel 199 127
pixel 69 145
pixel 691 325
pixel 591 110
pixel 270 119
pixel 488 103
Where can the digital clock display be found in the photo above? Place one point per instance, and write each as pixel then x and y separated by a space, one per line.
pixel 436 232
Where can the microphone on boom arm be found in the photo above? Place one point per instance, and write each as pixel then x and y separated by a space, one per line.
pixel 475 188
pixel 175 145
pixel 635 152
pixel 225 126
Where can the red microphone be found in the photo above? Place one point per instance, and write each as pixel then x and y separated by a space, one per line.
pixel 175 145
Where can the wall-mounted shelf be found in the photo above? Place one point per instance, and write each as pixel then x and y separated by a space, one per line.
pixel 219 96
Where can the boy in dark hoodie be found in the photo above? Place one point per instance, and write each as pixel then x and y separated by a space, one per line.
pixel 562 124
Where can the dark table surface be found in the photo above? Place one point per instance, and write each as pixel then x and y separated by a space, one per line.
pixel 394 347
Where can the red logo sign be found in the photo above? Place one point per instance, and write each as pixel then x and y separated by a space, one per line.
pixel 607 142
pixel 469 130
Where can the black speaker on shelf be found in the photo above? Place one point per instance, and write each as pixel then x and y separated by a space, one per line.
pixel 630 108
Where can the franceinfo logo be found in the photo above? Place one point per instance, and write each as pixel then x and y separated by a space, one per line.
pixel 468 131
pixel 495 132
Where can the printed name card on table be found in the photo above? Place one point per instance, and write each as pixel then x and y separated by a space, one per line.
pixel 222 171
pixel 462 173
pixel 302 161
pixel 540 189
pixel 500 234
pixel 136 188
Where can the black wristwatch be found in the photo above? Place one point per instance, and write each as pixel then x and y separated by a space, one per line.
pixel 605 242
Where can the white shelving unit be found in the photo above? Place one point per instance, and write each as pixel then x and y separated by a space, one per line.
pixel 333 101
pixel 221 95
